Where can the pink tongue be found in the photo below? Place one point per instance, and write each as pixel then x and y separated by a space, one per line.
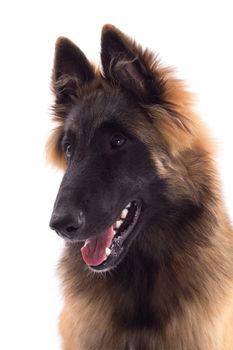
pixel 93 251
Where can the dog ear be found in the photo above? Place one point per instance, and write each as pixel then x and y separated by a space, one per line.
pixel 71 71
pixel 125 63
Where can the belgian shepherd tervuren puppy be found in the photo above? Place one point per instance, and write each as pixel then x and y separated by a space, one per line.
pixel 148 262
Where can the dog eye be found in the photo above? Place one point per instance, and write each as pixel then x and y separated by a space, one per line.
pixel 118 140
pixel 67 149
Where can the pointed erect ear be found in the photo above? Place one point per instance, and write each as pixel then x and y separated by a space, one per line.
pixel 70 72
pixel 126 64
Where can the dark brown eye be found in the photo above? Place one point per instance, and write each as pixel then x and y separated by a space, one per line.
pixel 118 140
pixel 67 149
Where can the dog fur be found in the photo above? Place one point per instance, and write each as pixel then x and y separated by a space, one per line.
pixel 174 288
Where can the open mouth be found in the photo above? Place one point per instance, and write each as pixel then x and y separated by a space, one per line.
pixel 105 251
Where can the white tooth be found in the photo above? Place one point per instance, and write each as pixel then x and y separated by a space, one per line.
pixel 118 223
pixel 124 213
pixel 128 206
pixel 107 251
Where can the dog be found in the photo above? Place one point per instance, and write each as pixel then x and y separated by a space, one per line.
pixel 148 258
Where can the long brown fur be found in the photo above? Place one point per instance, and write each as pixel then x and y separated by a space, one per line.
pixel 200 276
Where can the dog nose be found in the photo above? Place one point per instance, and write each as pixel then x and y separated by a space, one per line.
pixel 67 225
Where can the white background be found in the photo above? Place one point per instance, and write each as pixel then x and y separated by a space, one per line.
pixel 195 36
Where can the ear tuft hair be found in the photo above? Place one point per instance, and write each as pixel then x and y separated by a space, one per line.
pixel 125 63
pixel 71 72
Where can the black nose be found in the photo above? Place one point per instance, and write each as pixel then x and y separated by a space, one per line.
pixel 67 224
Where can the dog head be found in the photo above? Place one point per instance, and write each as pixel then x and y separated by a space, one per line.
pixel 124 138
